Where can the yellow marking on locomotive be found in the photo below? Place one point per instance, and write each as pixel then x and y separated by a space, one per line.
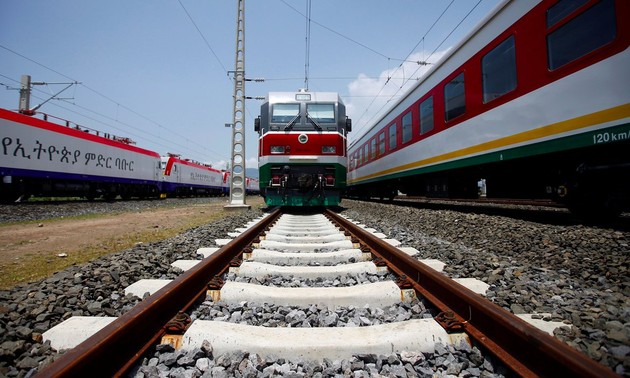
pixel 608 115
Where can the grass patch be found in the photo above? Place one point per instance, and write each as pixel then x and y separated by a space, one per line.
pixel 31 267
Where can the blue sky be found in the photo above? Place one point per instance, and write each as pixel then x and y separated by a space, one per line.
pixel 147 73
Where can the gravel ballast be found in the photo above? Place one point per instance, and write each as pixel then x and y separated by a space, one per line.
pixel 578 274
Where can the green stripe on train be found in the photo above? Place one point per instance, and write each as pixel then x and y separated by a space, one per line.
pixel 615 134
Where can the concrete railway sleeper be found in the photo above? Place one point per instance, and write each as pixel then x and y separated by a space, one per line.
pixel 317 264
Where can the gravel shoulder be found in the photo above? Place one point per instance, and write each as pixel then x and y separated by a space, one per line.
pixel 577 274
pixel 38 248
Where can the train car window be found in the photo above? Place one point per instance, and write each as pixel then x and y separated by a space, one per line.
pixel 498 70
pixel 381 143
pixel 392 136
pixel 406 128
pixel 366 152
pixel 321 113
pixel 454 98
pixel 426 115
pixel 373 148
pixel 284 113
pixel 562 9
pixel 586 32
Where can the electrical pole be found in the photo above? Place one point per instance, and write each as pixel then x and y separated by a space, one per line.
pixel 238 182
pixel 25 94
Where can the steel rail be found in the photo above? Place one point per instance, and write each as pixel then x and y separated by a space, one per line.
pixel 107 353
pixel 528 351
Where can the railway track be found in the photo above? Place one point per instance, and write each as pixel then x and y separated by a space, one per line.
pixel 544 211
pixel 314 248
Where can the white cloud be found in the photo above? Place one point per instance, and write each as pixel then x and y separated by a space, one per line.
pixel 370 97
pixel 221 164
pixel 251 162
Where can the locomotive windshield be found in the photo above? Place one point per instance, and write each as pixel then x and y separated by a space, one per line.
pixel 284 113
pixel 321 113
pixel 303 116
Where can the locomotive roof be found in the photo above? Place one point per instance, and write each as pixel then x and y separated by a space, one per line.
pixel 275 97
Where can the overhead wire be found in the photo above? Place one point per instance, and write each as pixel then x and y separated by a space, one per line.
pixel 387 81
pixel 405 60
pixel 308 43
pixel 126 131
pixel 118 104
pixel 203 36
pixel 430 55
pixel 342 35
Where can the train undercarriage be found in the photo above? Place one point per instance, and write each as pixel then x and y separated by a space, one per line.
pixel 296 185
pixel 593 183
pixel 18 189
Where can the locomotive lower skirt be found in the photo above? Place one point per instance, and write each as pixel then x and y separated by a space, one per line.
pixel 302 185
pixel 293 197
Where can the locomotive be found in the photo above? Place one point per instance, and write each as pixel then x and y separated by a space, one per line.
pixel 184 177
pixel 42 158
pixel 535 101
pixel 302 145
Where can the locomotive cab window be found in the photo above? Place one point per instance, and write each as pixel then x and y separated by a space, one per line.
pixel 284 113
pixel 585 32
pixel 454 98
pixel 321 113
pixel 498 70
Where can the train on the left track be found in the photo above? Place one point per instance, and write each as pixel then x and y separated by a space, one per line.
pixel 302 146
pixel 41 158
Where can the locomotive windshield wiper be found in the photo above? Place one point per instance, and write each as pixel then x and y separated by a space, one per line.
pixel 289 125
pixel 318 127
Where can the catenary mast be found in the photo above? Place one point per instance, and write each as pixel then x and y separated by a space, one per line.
pixel 237 166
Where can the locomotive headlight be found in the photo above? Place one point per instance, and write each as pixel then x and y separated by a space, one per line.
pixel 277 149
pixel 329 149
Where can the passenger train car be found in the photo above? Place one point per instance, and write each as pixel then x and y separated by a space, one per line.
pixel 302 148
pixel 535 101
pixel 42 158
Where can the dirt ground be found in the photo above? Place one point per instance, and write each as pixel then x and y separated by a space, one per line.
pixel 36 250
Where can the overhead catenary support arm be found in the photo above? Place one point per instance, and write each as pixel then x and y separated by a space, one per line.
pixel 25 94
